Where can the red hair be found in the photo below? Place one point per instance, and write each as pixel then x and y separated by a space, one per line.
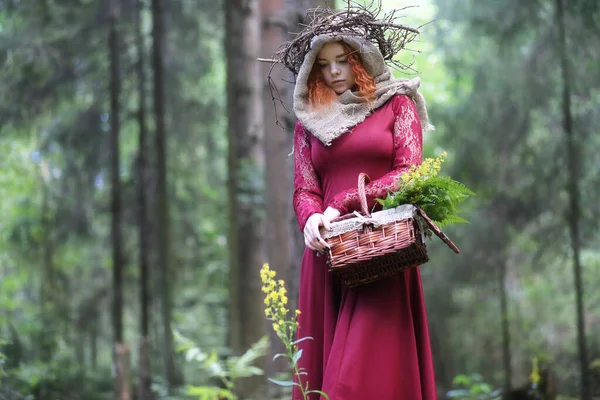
pixel 320 95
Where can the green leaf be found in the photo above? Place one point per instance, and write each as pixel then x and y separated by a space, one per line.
pixel 297 356
pixel 284 383
pixel 480 388
pixel 302 339
pixel 210 392
pixel 319 393
pixel 276 356
pixel 462 380
pixel 195 354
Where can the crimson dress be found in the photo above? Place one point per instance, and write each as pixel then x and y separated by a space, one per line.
pixel 369 342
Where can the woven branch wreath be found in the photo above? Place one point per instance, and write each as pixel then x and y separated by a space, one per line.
pixel 355 20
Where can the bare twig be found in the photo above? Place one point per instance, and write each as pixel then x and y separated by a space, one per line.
pixel 366 22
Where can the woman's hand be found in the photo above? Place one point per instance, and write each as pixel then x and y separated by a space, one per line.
pixel 331 213
pixel 312 236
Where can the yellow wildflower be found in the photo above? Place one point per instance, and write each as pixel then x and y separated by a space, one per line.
pixel 535 373
pixel 265 273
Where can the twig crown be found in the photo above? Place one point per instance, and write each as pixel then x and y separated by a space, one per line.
pixel 367 22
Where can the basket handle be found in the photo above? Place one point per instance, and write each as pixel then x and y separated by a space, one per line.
pixel 363 179
pixel 437 231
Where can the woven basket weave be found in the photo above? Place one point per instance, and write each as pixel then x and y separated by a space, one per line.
pixel 365 247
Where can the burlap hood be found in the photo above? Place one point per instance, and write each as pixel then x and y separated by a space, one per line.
pixel 350 109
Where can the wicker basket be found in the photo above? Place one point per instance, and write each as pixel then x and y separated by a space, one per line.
pixel 365 247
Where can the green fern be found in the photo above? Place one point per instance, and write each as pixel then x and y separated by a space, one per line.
pixel 438 196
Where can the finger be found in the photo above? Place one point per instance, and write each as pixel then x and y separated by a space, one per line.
pixel 322 243
pixel 315 241
pixel 308 240
pixel 309 230
pixel 310 246
pixel 315 234
pixel 316 244
pixel 326 224
pixel 311 241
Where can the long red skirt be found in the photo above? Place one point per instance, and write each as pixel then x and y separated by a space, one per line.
pixel 369 342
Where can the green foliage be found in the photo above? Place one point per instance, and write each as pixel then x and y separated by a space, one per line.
pixel 227 371
pixel 438 196
pixel 55 193
pixel 3 342
pixel 59 377
pixel 472 387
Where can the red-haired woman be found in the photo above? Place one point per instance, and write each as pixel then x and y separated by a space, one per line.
pixel 369 342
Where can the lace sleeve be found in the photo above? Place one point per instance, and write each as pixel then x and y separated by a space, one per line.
pixel 407 151
pixel 308 197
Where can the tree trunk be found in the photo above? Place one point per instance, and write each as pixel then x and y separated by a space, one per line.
pixel 144 375
pixel 506 355
pixel 574 215
pixel 122 372
pixel 94 343
pixel 301 6
pixel 80 349
pixel 297 16
pixel 120 384
pixel 115 92
pixel 245 168
pixel 144 378
pixel 46 346
pixel 277 140
pixel 278 174
pixel 162 212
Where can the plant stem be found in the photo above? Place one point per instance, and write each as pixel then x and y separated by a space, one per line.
pixel 290 349
pixel 300 382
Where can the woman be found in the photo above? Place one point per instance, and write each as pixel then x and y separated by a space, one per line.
pixel 371 341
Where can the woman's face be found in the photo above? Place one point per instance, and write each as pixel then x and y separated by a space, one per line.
pixel 337 73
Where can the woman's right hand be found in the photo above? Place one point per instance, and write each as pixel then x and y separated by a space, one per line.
pixel 312 237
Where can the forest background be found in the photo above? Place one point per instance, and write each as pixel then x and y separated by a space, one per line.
pixel 144 182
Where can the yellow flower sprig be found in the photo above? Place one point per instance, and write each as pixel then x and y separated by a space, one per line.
pixel 429 168
pixel 535 373
pixel 276 311
pixel 276 302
